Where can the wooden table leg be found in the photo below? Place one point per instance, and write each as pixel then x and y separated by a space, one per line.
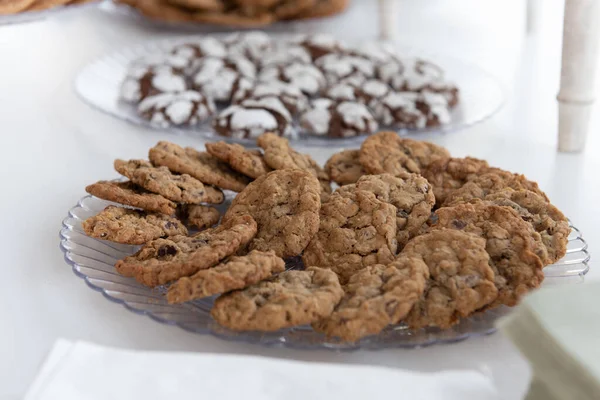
pixel 577 78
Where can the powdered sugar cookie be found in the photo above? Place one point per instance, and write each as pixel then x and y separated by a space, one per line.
pixel 345 119
pixel 283 55
pixel 204 47
pixel 412 110
pixel 180 109
pixel 306 77
pixel 369 93
pixel 292 97
pixel 252 45
pixel 216 77
pixel 144 81
pixel 318 44
pixel 345 68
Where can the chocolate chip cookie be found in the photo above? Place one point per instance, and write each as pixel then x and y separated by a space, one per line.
pixel 374 298
pixel 200 165
pixel 292 298
pixel 164 260
pixel 129 194
pixel 234 273
pixel 278 154
pixel 285 205
pixel 356 230
pixel 344 167
pixel 388 152
pixel 512 244
pixel 248 162
pixel 198 216
pixel 178 188
pixel 461 281
pixel 127 226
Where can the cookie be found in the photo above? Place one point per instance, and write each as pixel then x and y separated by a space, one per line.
pixel 324 8
pixel 164 260
pixel 283 54
pixel 178 63
pixel 490 181
pixel 251 118
pixel 143 81
pixel 289 9
pixel 216 77
pixel 356 230
pixel 512 244
pixel 461 281
pixel 237 17
pixel 127 226
pixel 292 97
pixel 279 155
pixel 318 44
pixel 233 274
pixel 545 218
pixel 132 195
pixel 187 108
pixel 15 6
pixel 159 180
pixel 344 167
pixel 198 216
pixel 161 11
pixel 292 298
pixel 386 152
pixel 338 120
pixel 252 44
pixel 412 70
pixel 345 68
pixel 449 174
pixel 285 205
pixel 202 166
pixel 374 298
pixel 203 5
pixel 192 50
pixel 40 5
pixel 408 110
pixel 306 77
pixel 248 162
pixel 369 92
pixel 378 52
pixel 411 195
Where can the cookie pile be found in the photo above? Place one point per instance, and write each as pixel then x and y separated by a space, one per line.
pixel 20 6
pixel 249 83
pixel 237 13
pixel 411 235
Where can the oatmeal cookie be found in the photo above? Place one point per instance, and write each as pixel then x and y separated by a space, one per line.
pixel 132 195
pixel 164 260
pixel 202 166
pixel 278 154
pixel 248 162
pixel 344 167
pixel 232 274
pixel 176 109
pixel 127 226
pixel 324 8
pixel 490 181
pixel 449 174
pixel 198 216
pixel 346 119
pixel 178 188
pixel 292 298
pixel 512 244
pixel 461 281
pixel 285 205
pixel 386 152
pixel 374 298
pixel 411 195
pixel 15 6
pixel 356 230
pixel 545 218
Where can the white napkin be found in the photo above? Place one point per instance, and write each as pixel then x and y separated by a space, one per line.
pixel 85 371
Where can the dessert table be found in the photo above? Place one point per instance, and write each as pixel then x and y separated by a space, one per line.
pixel 53 145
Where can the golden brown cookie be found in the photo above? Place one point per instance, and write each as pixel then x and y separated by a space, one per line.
pixel 203 5
pixel 236 18
pixel 278 154
pixel 14 6
pixel 545 218
pixel 356 230
pixel 324 8
pixel 461 281
pixel 512 244
pixel 233 274
pixel 448 174
pixel 386 152
pixel 248 162
pixel 40 5
pixel 292 298
pixel 129 194
pixel 200 165
pixel 344 167
pixel 178 188
pixel 161 10
pixel 164 260
pixel 198 216
pixel 127 226
pixel 290 9
pixel 374 298
pixel 285 205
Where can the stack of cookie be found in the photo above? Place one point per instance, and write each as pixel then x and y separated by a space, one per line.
pixel 20 6
pixel 238 13
pixel 252 84
pixel 411 235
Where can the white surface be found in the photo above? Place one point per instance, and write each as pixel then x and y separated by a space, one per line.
pixel 53 145
pixel 74 371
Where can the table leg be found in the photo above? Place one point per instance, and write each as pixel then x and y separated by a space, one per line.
pixel 388 17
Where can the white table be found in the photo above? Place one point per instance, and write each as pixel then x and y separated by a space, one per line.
pixel 53 145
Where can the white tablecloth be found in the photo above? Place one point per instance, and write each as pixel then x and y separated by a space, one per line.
pixel 53 145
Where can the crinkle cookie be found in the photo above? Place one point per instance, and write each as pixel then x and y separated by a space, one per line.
pixel 143 81
pixel 292 97
pixel 176 109
pixel 369 92
pixel 318 44
pixel 409 110
pixel 344 119
pixel 346 68
pixel 217 77
pixel 306 77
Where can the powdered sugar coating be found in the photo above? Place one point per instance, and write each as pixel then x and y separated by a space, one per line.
pixel 413 110
pixel 338 67
pixel 185 108
pixel 252 44
pixel 306 77
pixel 216 76
pixel 204 47
pixel 345 119
pixel 252 118
pixel 291 96
pixel 282 55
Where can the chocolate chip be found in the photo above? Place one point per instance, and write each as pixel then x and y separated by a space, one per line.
pixel 402 213
pixel 170 225
pixel 458 224
pixel 167 250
